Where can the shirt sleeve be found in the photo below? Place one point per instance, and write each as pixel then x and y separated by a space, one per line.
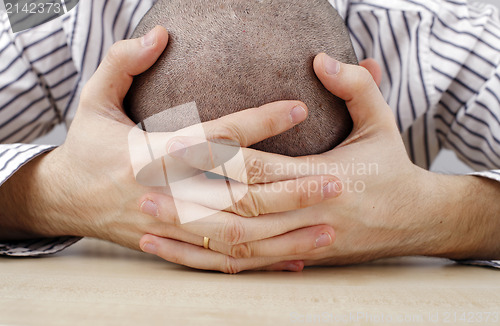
pixel 441 75
pixel 37 76
pixel 36 247
pixel 465 55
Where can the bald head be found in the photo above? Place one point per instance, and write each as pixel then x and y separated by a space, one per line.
pixel 229 55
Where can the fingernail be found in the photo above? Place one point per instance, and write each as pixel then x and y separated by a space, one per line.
pixel 298 114
pixel 176 149
pixel 293 267
pixel 149 39
pixel 332 189
pixel 149 207
pixel 150 248
pixel 324 240
pixel 332 66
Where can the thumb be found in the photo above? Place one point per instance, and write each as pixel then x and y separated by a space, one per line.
pixel 374 68
pixel 355 85
pixel 125 59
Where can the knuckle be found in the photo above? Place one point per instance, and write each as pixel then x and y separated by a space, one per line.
pixel 242 250
pixel 364 79
pixel 205 159
pixel 253 170
pixel 230 266
pixel 303 197
pixel 114 53
pixel 298 249
pixel 115 57
pixel 228 130
pixel 174 257
pixel 171 217
pixel 248 206
pixel 233 232
pixel 269 126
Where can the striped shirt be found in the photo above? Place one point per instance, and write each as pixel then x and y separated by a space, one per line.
pixel 440 62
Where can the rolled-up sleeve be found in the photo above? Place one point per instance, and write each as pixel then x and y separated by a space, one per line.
pixel 37 76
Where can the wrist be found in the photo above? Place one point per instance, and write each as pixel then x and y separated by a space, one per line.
pixel 44 203
pixel 461 218
pixel 33 201
pixel 16 198
pixel 56 198
pixel 417 214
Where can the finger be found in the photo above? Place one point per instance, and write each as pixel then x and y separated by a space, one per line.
pixel 374 68
pixel 289 244
pixel 356 86
pixel 124 60
pixel 198 257
pixel 229 228
pixel 244 165
pixel 251 126
pixel 151 205
pixel 289 266
pixel 224 227
pixel 239 129
pixel 288 195
pixel 286 245
pixel 257 199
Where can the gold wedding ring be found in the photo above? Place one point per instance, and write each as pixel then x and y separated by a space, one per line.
pixel 206 242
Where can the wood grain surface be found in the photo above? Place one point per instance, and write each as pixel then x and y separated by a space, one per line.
pixel 98 283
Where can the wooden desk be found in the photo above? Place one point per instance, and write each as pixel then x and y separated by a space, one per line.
pixel 98 283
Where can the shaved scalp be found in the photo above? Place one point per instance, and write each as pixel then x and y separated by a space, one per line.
pixel 229 55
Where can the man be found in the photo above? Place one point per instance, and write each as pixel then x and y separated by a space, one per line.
pixel 345 248
pixel 252 53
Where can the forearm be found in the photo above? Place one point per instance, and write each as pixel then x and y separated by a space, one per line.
pixel 27 201
pixel 465 218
